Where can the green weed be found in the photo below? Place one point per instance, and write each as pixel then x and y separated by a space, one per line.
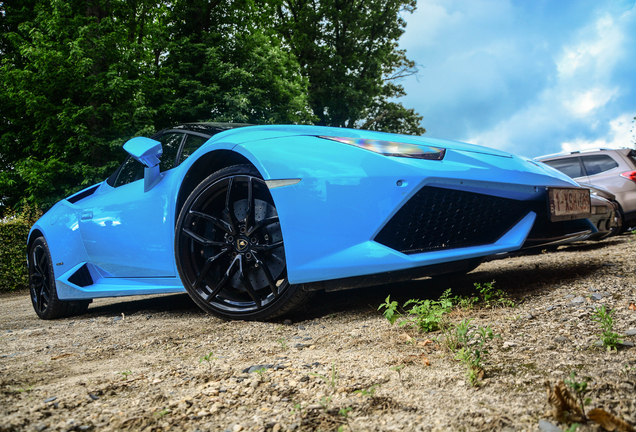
pixel 470 342
pixel 491 297
pixel 124 374
pixel 209 357
pixel 605 320
pixel 331 382
pixel 579 387
pixel 398 369
pixel 283 343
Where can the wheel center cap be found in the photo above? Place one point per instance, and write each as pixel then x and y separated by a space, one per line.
pixel 242 245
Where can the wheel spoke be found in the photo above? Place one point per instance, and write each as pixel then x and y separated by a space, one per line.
pixel 248 286
pixel 268 275
pixel 201 239
pixel 264 222
pixel 225 278
pixel 267 247
pixel 206 268
pixel 227 211
pixel 216 221
pixel 251 207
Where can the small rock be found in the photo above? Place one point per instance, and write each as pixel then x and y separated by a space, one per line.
pixel 509 344
pixel 300 327
pixel 627 344
pixel 630 332
pixel 596 296
pixel 257 367
pixel 51 399
pixel 92 396
pixel 300 346
pixel 117 319
pixel 577 301
pixel 562 339
pixel 202 413
pixel 546 426
pixel 549 308
pixel 569 296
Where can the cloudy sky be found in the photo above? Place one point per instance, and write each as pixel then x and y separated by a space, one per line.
pixel 527 76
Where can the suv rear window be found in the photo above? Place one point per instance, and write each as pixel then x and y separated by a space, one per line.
pixel 596 164
pixel 571 167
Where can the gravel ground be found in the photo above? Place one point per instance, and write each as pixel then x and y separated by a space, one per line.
pixel 138 363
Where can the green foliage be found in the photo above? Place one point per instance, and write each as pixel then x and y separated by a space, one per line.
pixel 14 230
pixel 398 369
pixel 492 297
pixel 349 53
pixel 579 387
pixel 209 358
pixel 390 313
pixel 124 374
pixel 427 314
pixel 469 342
pixel 78 78
pixel 605 320
pixel 369 391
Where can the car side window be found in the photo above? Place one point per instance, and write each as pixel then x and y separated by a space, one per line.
pixel 170 144
pixel 597 164
pixel 193 142
pixel 130 171
pixel 571 167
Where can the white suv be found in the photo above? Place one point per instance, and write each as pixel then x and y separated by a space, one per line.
pixel 612 169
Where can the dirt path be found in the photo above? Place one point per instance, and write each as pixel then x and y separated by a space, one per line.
pixel 138 363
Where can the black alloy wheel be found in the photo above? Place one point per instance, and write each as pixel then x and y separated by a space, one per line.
pixel 229 248
pixel 42 286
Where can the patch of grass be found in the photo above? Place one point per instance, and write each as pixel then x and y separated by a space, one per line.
pixel 491 297
pixel 605 320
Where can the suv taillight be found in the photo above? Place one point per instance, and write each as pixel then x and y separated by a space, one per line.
pixel 629 175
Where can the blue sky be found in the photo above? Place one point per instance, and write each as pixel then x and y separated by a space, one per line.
pixel 531 77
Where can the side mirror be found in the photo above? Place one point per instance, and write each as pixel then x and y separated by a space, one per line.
pixel 146 151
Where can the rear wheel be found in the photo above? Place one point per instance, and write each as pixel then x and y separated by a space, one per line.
pixel 229 248
pixel 42 286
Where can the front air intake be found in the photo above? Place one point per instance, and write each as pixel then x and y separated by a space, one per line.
pixel 437 218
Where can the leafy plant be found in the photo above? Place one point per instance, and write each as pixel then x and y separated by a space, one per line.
pixel 325 401
pixel 14 230
pixel 283 343
pixel 579 387
pixel 371 390
pixel 470 342
pixel 208 358
pixel 162 413
pixel 391 313
pixel 260 372
pixel 124 374
pixel 605 320
pixel 398 369
pixel 492 297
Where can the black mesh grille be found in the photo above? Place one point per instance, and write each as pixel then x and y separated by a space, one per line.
pixel 81 277
pixel 438 218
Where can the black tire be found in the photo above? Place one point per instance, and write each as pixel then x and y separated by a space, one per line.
pixel 229 248
pixel 42 286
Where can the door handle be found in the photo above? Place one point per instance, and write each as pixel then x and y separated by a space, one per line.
pixel 86 215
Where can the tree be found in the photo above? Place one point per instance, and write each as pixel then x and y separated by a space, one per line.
pixel 348 51
pixel 80 77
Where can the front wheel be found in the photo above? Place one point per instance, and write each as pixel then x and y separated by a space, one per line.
pixel 42 286
pixel 229 248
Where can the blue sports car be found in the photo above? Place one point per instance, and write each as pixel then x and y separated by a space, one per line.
pixel 249 220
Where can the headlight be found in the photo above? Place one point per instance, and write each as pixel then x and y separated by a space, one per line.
pixel 392 148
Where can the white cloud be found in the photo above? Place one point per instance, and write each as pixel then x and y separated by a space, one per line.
pixel 583 103
pixel 620 135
